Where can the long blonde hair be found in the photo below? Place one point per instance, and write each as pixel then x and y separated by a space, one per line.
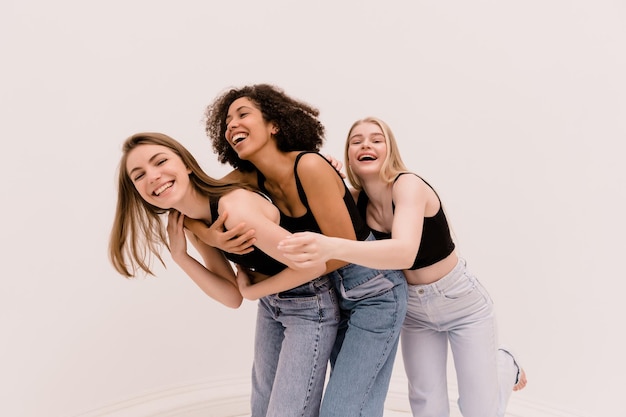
pixel 392 165
pixel 138 231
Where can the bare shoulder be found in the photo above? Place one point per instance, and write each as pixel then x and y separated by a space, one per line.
pixel 241 196
pixel 242 204
pixel 409 179
pixel 315 170
pixel 313 161
pixel 411 187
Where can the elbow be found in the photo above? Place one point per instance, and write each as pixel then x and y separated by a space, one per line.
pixel 251 296
pixel 406 265
pixel 233 303
pixel 407 258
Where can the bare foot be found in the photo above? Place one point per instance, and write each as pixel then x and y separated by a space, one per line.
pixel 521 381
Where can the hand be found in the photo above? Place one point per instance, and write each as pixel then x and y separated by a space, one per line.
pixel 243 280
pixel 336 164
pixel 307 249
pixel 235 240
pixel 176 234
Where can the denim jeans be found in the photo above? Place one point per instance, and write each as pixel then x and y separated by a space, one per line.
pixel 373 305
pixel 455 309
pixel 295 333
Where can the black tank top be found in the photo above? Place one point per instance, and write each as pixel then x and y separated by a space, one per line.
pixel 307 222
pixel 257 260
pixel 436 243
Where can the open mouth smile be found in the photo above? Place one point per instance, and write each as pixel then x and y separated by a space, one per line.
pixel 238 138
pixel 162 188
pixel 367 157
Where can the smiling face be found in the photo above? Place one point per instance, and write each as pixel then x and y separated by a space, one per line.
pixel 366 149
pixel 246 129
pixel 158 174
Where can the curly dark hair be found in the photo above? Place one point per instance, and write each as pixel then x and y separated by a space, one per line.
pixel 300 128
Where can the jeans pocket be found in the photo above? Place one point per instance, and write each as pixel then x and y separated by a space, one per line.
pixel 459 289
pixel 374 286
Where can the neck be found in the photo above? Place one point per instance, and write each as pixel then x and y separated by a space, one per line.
pixel 195 206
pixel 377 191
pixel 276 166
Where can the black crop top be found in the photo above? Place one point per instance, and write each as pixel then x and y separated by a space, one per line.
pixel 307 222
pixel 436 243
pixel 257 260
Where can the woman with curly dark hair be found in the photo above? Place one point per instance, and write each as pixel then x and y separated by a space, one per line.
pixel 273 141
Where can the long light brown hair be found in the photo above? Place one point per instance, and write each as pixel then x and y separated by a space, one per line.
pixel 138 231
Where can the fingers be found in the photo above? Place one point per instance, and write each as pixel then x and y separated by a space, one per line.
pixel 219 222
pixel 296 242
pixel 298 257
pixel 235 231
pixel 299 247
pixel 242 278
pixel 239 244
pixel 181 221
pixel 334 162
pixel 172 219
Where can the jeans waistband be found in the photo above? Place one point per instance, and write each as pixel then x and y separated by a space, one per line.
pixel 315 286
pixel 443 282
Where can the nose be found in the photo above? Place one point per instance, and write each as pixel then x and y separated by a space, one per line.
pixel 229 129
pixel 231 124
pixel 153 175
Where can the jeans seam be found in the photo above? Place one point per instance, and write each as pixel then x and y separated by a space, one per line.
pixel 385 353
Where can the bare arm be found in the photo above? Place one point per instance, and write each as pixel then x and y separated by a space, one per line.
pixel 216 278
pixel 263 216
pixel 337 164
pixel 239 240
pixel 325 192
pixel 410 195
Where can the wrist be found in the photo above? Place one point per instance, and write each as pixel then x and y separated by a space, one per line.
pixel 180 258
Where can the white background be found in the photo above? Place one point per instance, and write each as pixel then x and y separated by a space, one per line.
pixel 514 111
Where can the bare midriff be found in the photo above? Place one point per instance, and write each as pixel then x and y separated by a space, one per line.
pixel 431 273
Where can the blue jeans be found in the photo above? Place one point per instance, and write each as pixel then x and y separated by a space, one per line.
pixel 373 305
pixel 295 333
pixel 456 309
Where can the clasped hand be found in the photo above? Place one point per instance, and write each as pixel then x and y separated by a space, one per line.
pixel 307 249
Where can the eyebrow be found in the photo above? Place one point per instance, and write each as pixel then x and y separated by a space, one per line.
pixel 236 110
pixel 156 155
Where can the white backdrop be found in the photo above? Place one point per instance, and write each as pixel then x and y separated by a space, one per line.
pixel 514 111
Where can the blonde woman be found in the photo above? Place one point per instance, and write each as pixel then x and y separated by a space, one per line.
pixel 447 303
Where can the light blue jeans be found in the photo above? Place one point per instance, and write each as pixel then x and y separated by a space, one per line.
pixel 373 305
pixel 295 334
pixel 455 309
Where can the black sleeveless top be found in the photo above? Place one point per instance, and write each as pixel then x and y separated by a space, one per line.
pixel 307 222
pixel 257 260
pixel 436 243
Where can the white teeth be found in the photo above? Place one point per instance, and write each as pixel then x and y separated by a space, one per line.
pixel 162 188
pixel 239 137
